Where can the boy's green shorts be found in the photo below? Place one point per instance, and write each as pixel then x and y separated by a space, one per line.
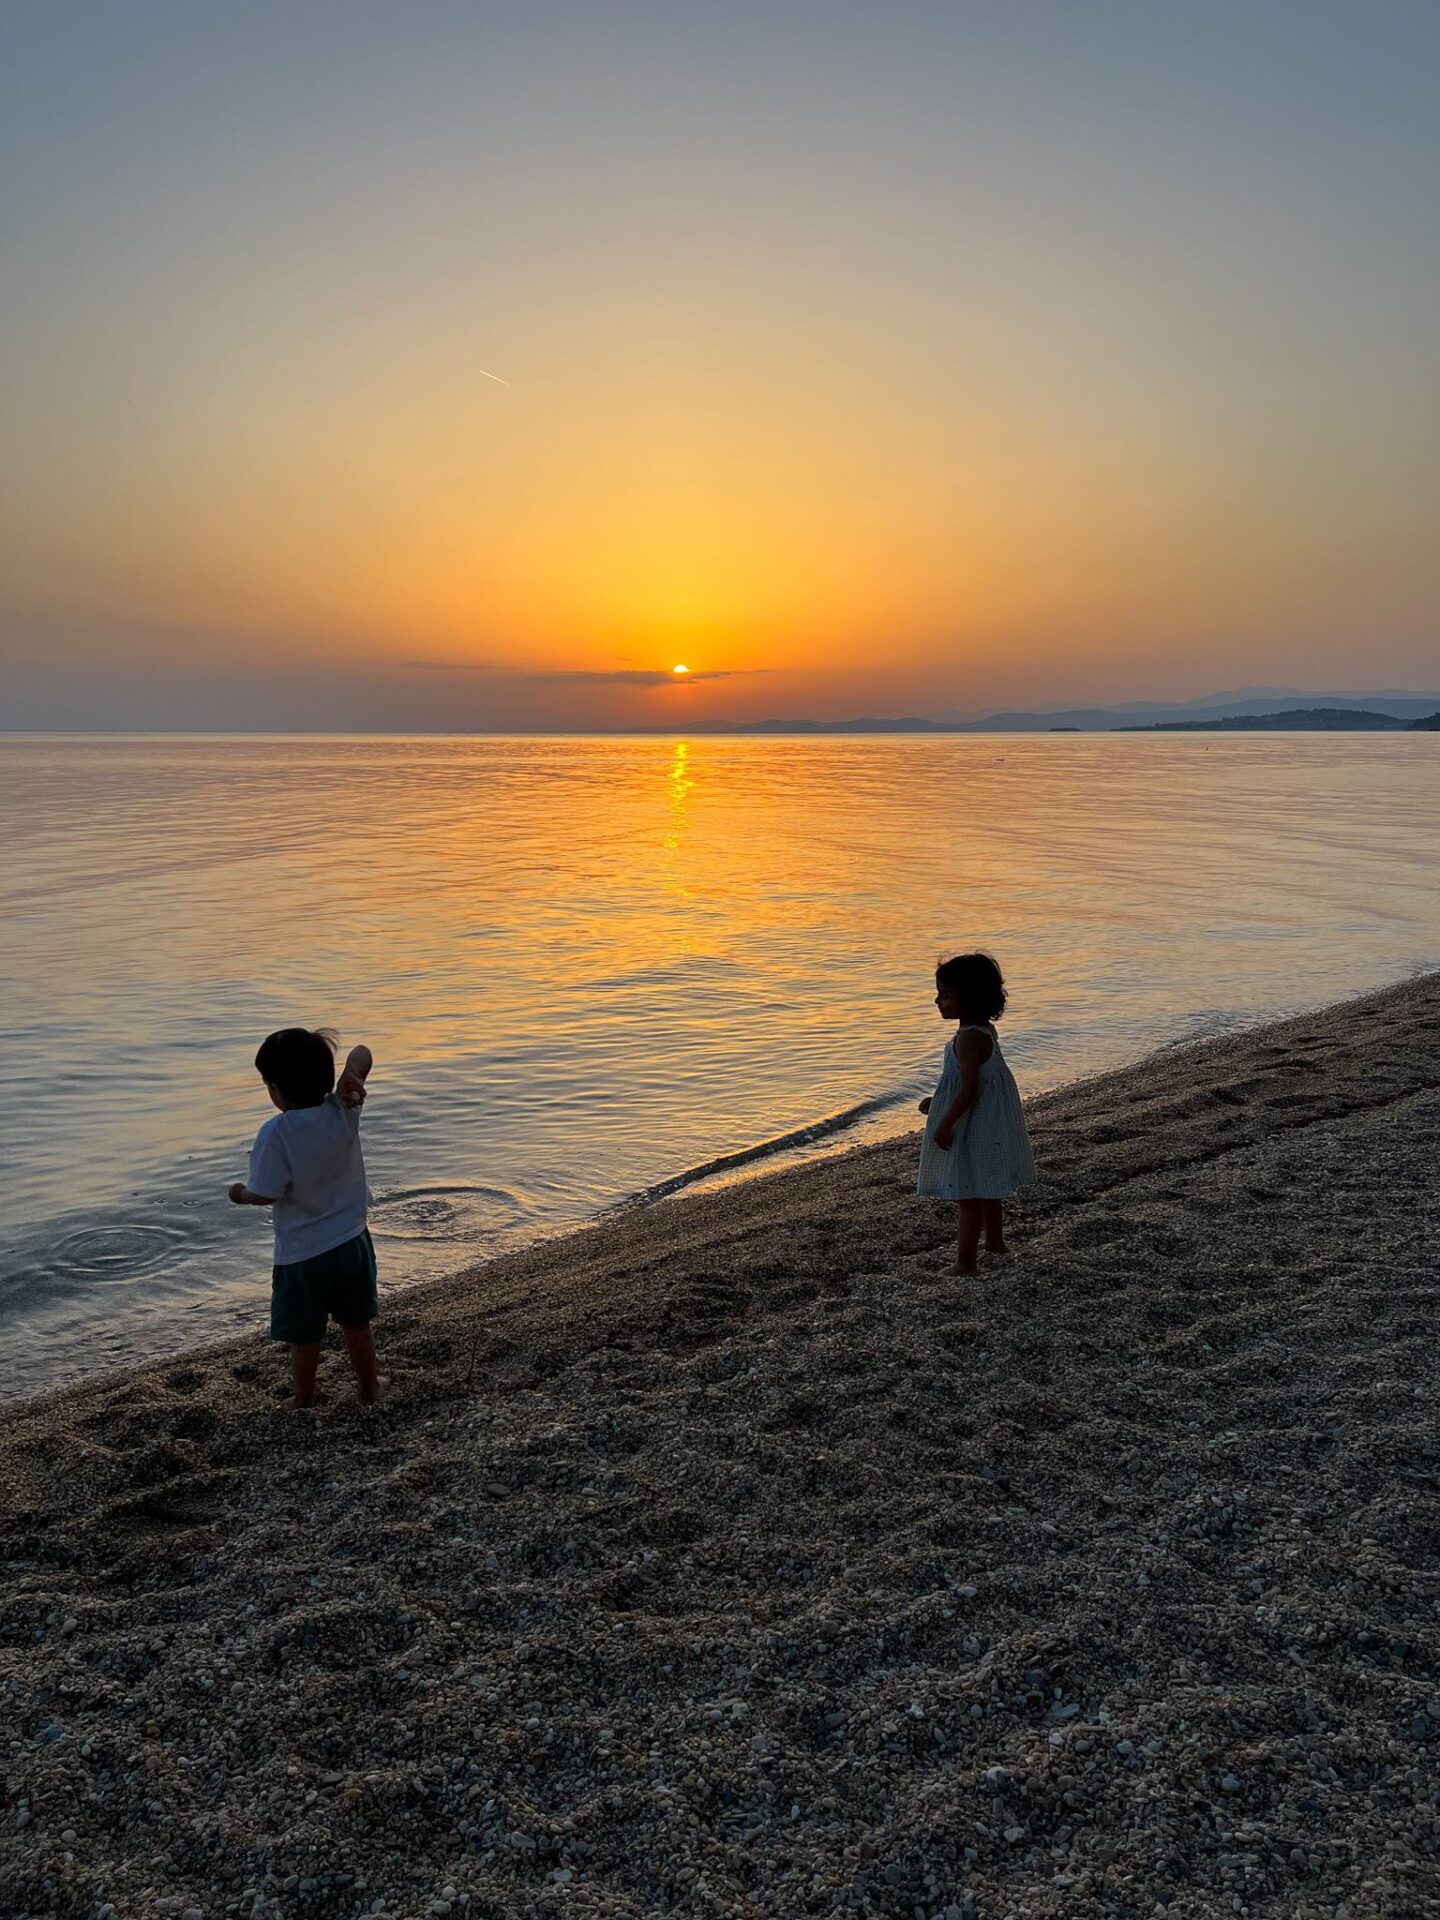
pixel 306 1292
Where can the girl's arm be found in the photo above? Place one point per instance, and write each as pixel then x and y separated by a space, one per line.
pixel 972 1050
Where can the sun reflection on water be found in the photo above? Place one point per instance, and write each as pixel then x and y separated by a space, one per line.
pixel 679 784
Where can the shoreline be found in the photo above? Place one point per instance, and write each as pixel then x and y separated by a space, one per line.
pixel 723 1556
pixel 792 1150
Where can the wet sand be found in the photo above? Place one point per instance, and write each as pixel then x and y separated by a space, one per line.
pixel 730 1557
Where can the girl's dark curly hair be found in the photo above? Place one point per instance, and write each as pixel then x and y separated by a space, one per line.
pixel 975 983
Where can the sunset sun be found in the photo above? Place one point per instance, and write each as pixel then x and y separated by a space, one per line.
pixel 680 672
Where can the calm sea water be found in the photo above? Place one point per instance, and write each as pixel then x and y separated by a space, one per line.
pixel 588 967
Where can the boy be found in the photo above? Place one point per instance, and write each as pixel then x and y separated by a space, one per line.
pixel 307 1164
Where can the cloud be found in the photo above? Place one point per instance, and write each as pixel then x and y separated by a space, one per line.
pixel 634 677
pixel 619 677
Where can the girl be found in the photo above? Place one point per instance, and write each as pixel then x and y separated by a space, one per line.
pixel 975 1149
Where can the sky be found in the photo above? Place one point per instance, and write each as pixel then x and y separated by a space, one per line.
pixel 461 366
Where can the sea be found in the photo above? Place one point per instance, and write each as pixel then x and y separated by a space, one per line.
pixel 595 971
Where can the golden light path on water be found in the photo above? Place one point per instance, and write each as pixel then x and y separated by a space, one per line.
pixel 586 965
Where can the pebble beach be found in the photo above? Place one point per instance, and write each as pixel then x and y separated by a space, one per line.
pixel 729 1557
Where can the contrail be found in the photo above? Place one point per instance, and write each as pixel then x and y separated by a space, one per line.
pixel 495 377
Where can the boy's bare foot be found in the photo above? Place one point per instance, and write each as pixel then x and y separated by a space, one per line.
pixel 371 1391
pixel 965 1273
pixel 292 1405
pixel 1001 1252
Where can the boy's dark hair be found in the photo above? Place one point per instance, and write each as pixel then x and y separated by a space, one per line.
pixel 974 982
pixel 299 1064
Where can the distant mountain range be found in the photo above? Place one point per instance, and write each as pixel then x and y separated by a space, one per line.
pixel 1297 720
pixel 1389 709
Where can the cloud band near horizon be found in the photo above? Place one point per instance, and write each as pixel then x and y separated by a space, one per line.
pixel 617 677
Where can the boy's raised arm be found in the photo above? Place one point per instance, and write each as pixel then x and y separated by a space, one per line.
pixel 353 1075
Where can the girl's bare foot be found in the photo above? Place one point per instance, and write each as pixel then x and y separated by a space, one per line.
pixel 1001 1252
pixel 965 1273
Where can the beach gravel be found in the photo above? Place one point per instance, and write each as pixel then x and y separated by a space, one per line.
pixel 732 1558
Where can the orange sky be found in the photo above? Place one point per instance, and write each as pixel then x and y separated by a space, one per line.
pixel 1030 393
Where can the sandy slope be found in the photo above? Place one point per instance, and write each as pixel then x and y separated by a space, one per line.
pixel 729 1558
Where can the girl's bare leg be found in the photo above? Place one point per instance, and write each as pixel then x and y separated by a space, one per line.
pixel 360 1345
pixel 994 1214
pixel 303 1363
pixel 968 1242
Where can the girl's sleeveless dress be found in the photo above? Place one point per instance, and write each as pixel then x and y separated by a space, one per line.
pixel 989 1156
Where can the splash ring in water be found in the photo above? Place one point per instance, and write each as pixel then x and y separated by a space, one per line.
pixel 119 1252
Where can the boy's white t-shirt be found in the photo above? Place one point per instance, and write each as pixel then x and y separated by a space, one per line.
pixel 308 1161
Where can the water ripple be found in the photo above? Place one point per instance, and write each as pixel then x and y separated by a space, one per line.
pixel 123 1251
pixel 444 1213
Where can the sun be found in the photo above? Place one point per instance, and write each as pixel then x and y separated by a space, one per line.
pixel 681 671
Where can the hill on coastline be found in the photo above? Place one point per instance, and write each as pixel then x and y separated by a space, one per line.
pixel 1291 720
pixel 1275 707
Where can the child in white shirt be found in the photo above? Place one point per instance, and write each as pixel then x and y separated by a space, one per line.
pixel 306 1163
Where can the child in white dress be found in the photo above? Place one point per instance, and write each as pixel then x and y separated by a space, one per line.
pixel 975 1150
